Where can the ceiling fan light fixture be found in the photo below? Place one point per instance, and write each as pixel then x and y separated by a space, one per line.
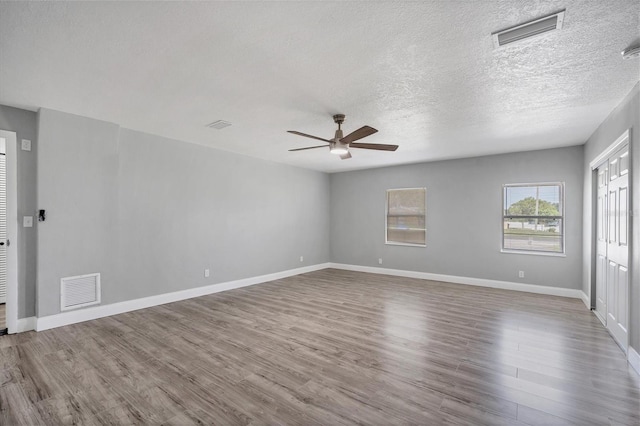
pixel 338 148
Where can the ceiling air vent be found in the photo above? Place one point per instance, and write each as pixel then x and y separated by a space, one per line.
pixel 530 29
pixel 219 124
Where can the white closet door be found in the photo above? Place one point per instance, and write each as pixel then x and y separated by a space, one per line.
pixel 3 229
pixel 618 247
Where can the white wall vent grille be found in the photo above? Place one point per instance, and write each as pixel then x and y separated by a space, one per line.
pixel 77 292
pixel 530 29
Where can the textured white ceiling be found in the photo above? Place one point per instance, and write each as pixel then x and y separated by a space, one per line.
pixel 425 74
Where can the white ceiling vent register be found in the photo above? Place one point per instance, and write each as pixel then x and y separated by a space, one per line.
pixel 80 291
pixel 219 124
pixel 530 29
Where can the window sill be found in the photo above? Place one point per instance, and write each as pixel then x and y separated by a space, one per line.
pixel 534 253
pixel 390 243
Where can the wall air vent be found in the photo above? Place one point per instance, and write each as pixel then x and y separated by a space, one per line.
pixel 77 292
pixel 219 124
pixel 530 29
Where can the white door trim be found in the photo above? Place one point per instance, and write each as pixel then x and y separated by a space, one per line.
pixel 604 155
pixel 12 229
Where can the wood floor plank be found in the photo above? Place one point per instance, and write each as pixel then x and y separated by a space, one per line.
pixel 328 347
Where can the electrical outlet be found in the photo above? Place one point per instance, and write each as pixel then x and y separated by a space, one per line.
pixel 301 258
pixel 380 261
pixel 206 273
pixel 521 274
pixel 25 145
pixel 27 221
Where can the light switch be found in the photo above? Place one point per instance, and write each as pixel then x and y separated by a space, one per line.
pixel 27 221
pixel 26 145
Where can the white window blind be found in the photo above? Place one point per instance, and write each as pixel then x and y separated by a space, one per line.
pixel 406 216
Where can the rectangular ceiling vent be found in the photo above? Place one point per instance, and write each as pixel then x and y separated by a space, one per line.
pixel 219 124
pixel 530 29
pixel 77 292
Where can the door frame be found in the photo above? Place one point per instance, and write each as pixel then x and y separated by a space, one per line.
pixel 623 139
pixel 594 230
pixel 11 157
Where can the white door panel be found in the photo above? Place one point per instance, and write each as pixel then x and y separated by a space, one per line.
pixel 601 288
pixel 612 287
pixel 612 222
pixel 612 251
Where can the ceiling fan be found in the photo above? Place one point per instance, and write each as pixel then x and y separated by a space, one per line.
pixel 340 145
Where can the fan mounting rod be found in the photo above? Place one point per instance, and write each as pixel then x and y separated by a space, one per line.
pixel 338 119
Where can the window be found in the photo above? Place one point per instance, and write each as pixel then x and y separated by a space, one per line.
pixel 405 223
pixel 533 218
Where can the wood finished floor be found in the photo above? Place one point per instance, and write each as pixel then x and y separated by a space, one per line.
pixel 329 347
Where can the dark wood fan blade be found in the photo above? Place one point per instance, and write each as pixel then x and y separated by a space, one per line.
pixel 362 132
pixel 309 147
pixel 378 146
pixel 345 156
pixel 308 136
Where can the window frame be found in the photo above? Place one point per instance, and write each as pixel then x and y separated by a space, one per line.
pixel 386 217
pixel 561 217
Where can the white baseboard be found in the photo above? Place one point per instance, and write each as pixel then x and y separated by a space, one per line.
pixel 26 324
pixel 585 299
pixel 72 317
pixel 481 282
pixel 634 359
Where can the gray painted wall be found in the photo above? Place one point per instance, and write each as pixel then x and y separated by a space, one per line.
pixel 78 188
pixel 151 213
pixel 24 123
pixel 184 208
pixel 625 116
pixel 464 199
